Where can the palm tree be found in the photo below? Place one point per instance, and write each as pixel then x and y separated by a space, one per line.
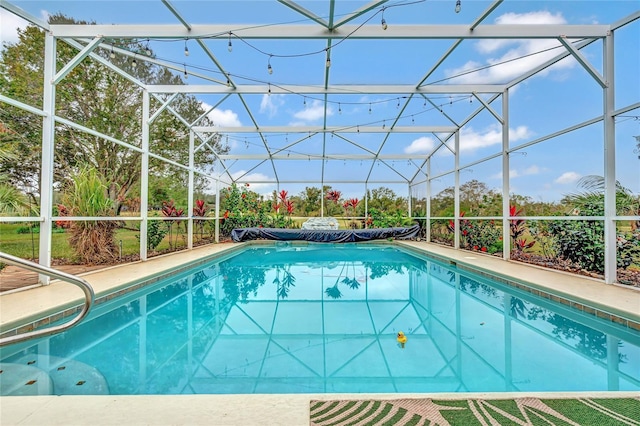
pixel 92 240
pixel 12 201
pixel 593 194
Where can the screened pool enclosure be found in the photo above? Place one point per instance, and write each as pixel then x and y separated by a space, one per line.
pixel 435 101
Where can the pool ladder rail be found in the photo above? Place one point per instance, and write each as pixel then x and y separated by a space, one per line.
pixel 89 297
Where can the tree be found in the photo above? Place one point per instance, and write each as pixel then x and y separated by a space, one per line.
pixel 310 200
pixel 87 195
pixel 113 107
pixel 386 200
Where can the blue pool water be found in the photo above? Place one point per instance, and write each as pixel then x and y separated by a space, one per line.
pixel 324 318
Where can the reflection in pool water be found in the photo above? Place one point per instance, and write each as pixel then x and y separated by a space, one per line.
pixel 324 318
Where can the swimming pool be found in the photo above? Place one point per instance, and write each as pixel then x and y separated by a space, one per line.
pixel 289 318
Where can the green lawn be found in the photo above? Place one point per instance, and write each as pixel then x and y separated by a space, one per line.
pixel 27 247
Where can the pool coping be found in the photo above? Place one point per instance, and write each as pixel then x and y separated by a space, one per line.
pixel 58 300
pixel 567 293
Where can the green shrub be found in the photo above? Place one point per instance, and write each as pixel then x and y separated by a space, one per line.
pixel 28 229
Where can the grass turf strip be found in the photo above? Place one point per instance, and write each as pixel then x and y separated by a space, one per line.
pixel 471 412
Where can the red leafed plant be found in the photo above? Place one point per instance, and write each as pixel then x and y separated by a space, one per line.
pixel 169 210
pixel 518 227
pixel 200 211
pixel 63 211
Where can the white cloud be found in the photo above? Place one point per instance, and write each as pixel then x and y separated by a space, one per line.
pixel 313 111
pixel 10 25
pixel 222 117
pixel 516 49
pixel 568 177
pixel 270 104
pixel 471 140
pixel 423 145
pixel 260 188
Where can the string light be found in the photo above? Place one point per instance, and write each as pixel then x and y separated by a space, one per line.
pixel 230 46
pixel 134 63
pixel 148 49
pixel 328 63
pixel 382 21
pixel 269 69
pixel 369 108
pixel 339 108
pixel 112 54
pixel 186 49
pixel 458 6
pixel 186 74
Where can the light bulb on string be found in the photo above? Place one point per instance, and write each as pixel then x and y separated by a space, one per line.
pixel 458 6
pixel 147 50
pixel 328 62
pixel 339 108
pixel 186 74
pixel 369 108
pixel 269 69
pixel 134 63
pixel 112 54
pixel 382 21
pixel 230 46
pixel 186 48
pixel 384 124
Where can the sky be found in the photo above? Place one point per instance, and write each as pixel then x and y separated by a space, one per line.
pixel 558 97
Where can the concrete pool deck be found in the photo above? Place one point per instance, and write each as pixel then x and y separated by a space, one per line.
pixel 19 308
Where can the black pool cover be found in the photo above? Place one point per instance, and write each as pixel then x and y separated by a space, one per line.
pixel 323 236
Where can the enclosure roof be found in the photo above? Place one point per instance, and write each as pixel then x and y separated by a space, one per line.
pixel 338 91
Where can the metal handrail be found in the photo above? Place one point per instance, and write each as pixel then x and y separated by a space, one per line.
pixel 89 297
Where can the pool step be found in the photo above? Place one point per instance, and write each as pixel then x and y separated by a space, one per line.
pixel 24 380
pixel 50 375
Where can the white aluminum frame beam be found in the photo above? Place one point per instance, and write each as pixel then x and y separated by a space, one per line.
pixel 69 66
pixel 306 157
pixel 583 61
pixel 488 108
pixel 24 14
pixel 321 129
pixel 22 106
pixel 354 32
pixel 304 12
pixel 348 89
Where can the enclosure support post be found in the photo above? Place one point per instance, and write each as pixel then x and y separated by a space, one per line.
pixel 144 177
pixel 409 202
pixel 428 202
pixel 217 236
pixel 610 267
pixel 48 149
pixel 366 204
pixel 506 211
pixel 190 193
pixel 456 192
